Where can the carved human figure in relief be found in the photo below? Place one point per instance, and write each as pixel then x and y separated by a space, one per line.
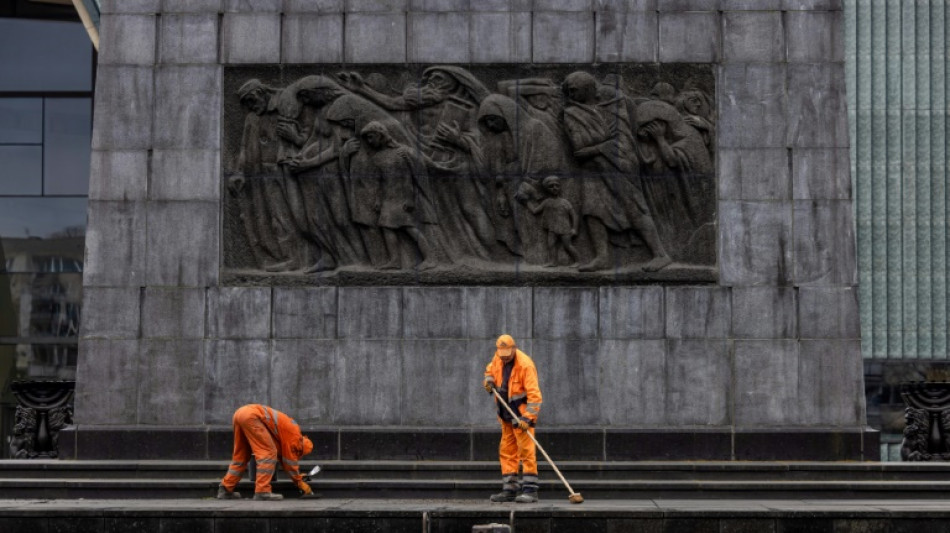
pixel 558 219
pixel 601 136
pixel 265 215
pixel 401 200
pixel 697 110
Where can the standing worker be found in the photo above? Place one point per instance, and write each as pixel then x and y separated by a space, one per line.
pixel 515 377
pixel 271 436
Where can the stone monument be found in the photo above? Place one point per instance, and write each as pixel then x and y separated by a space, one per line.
pixel 334 207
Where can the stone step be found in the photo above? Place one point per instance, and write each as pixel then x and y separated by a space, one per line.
pixel 488 470
pixel 473 489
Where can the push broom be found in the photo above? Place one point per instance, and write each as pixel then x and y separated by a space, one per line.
pixel 575 497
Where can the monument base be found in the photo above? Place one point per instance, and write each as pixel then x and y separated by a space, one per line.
pixel 481 444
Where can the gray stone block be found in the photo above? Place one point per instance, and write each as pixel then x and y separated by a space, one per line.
pixel 767 383
pixel 572 368
pixel 127 39
pixel 440 5
pixel 824 243
pixel 253 6
pixel 631 313
pixel 448 312
pixel 237 373
pixel 187 107
pixel 314 6
pixel 309 38
pixel 501 37
pixel 376 5
pixel 764 312
pixel 629 36
pixel 123 115
pixel 178 253
pixel 689 37
pixel 250 38
pixel 752 106
pixel 305 313
pixel 118 175
pixel 832 383
pixel 622 6
pixel 500 5
pixel 110 313
pixel 459 400
pixel 185 175
pixel 811 5
pixel 173 313
pixel 752 5
pixel 563 5
pixel 438 38
pixel 754 174
pixel 115 244
pixel 828 313
pixel 697 312
pixel 698 382
pixel 367 376
pixel 815 36
pixel 563 37
pixel 755 243
pixel 634 371
pixel 687 5
pixel 239 312
pixel 753 36
pixel 817 106
pixel 189 38
pixel 171 383
pixel 300 374
pixel 370 313
pixel 375 38
pixel 565 313
pixel 191 6
pixel 821 173
pixel 129 6
pixel 107 401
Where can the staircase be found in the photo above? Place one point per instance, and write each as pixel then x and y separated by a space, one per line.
pixel 475 480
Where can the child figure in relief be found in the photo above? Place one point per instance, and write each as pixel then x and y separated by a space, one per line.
pixel 558 219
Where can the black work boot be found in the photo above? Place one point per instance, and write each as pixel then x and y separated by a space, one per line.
pixel 528 496
pixel 267 496
pixel 503 496
pixel 223 494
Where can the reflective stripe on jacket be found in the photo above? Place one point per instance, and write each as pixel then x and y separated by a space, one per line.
pixel 524 393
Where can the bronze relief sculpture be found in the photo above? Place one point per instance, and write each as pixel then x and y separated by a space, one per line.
pixel 479 175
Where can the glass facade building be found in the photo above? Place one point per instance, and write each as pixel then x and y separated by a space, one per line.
pixel 47 69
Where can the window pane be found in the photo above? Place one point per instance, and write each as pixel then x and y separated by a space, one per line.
pixel 21 120
pixel 66 147
pixel 40 55
pixel 21 170
pixel 35 229
pixel 42 305
pixel 38 361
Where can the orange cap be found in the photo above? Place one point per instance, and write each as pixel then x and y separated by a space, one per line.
pixel 307 446
pixel 505 341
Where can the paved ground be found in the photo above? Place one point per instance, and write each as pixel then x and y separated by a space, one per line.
pixel 385 506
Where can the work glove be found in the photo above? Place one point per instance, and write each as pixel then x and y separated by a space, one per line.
pixel 522 424
pixel 305 489
pixel 489 386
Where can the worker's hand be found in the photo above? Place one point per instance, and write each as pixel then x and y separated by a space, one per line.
pixel 489 386
pixel 523 424
pixel 304 488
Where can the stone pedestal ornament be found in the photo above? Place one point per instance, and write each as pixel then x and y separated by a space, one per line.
pixel 927 421
pixel 43 409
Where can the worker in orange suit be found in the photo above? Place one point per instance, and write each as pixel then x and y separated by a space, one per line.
pixel 273 438
pixel 515 377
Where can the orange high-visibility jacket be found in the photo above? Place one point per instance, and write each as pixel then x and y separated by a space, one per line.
pixel 524 393
pixel 288 438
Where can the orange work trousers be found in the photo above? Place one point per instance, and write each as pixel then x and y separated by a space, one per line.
pixel 251 436
pixel 516 446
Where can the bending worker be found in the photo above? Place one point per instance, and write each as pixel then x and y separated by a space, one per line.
pixel 515 377
pixel 271 436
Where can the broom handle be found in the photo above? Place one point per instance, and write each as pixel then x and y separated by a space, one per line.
pixel 536 443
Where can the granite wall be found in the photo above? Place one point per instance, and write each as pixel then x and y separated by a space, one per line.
pixel 770 350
